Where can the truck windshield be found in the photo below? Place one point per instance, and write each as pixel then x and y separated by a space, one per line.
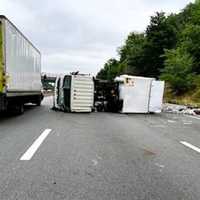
pixel 67 82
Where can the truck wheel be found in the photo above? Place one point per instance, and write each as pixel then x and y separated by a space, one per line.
pixel 19 109
pixel 38 101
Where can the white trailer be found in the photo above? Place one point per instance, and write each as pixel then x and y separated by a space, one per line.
pixel 20 69
pixel 140 94
pixel 74 93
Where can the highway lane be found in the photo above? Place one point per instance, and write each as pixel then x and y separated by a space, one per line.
pixel 99 156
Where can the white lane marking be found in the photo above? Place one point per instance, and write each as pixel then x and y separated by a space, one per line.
pixel 190 146
pixel 193 117
pixel 33 148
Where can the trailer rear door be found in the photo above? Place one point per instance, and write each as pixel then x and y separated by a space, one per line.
pixel 156 96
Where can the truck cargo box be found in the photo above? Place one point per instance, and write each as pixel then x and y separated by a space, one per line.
pixel 20 67
pixel 140 94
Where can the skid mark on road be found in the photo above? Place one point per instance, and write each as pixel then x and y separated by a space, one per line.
pixel 190 146
pixel 33 148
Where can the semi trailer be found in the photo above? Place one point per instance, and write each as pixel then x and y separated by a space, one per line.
pixel 20 69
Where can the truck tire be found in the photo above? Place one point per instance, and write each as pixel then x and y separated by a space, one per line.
pixel 38 100
pixel 19 109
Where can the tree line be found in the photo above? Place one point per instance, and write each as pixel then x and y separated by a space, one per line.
pixel 168 49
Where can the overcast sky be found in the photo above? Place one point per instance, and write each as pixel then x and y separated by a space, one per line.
pixel 82 34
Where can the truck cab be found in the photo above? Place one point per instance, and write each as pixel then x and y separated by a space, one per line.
pixel 74 93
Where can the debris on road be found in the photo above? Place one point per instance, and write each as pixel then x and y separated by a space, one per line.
pixel 180 109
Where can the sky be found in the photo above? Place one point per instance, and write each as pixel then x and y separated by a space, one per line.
pixel 81 35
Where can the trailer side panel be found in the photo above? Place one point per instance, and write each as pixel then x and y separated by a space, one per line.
pixel 23 63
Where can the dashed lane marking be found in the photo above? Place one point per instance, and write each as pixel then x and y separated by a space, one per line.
pixel 190 146
pixel 33 148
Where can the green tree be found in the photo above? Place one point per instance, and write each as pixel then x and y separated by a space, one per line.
pixel 160 35
pixel 178 70
pixel 110 70
pixel 169 48
pixel 131 52
pixel 190 40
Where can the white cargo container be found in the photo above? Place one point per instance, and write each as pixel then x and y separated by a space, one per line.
pixel 140 94
pixel 20 68
pixel 74 93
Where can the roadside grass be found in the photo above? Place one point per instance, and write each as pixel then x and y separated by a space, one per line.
pixel 191 98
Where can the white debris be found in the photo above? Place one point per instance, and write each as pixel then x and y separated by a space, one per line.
pixel 171 121
pixel 94 162
pixel 159 165
pixel 180 109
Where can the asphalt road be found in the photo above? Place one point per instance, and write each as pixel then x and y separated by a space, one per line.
pixel 98 156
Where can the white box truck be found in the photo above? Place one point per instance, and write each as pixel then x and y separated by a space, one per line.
pixel 20 69
pixel 74 93
pixel 140 94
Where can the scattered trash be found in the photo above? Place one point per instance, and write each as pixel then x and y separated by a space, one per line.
pixel 180 109
pixel 171 121
pixel 99 157
pixel 197 112
pixel 95 162
pixel 160 166
pixel 148 152
pixel 187 123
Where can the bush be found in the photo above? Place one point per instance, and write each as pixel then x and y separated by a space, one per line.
pixel 178 70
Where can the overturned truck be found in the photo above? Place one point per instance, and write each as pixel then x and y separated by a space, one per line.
pixel 126 94
pixel 74 93
pixel 129 94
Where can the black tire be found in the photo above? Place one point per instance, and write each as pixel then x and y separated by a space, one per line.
pixel 19 109
pixel 38 101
